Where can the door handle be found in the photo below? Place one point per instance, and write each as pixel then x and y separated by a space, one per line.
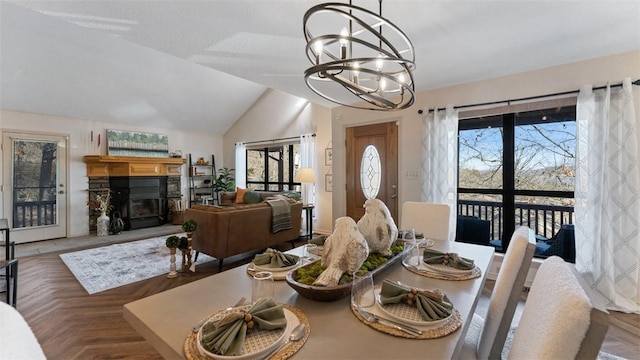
pixel 394 193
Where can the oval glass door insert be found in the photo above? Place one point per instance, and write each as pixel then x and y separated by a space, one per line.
pixel 370 172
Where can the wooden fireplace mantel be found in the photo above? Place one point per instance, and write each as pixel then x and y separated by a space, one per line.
pixel 105 165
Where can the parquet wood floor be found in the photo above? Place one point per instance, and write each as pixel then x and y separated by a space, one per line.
pixel 70 324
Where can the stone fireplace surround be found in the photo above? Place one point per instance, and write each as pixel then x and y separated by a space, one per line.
pixel 156 181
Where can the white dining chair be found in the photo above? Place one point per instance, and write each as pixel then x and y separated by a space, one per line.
pixel 430 219
pixel 486 336
pixel 559 320
pixel 17 340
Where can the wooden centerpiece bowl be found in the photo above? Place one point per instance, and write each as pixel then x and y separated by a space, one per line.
pixel 318 293
pixel 333 293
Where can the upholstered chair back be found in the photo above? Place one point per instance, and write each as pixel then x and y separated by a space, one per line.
pixel 430 219
pixel 559 320
pixel 506 293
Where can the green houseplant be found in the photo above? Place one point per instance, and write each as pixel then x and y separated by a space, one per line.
pixel 189 226
pixel 225 181
pixel 172 242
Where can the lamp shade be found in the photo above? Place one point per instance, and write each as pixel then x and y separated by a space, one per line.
pixel 306 175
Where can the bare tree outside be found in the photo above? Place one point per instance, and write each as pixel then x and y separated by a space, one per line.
pixel 277 163
pixel 544 160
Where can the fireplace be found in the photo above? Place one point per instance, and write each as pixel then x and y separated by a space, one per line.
pixel 141 200
pixel 141 187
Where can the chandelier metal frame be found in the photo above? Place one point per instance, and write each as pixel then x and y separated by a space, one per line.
pixel 374 67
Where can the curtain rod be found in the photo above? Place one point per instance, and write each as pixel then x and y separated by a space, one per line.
pixel 274 140
pixel 637 82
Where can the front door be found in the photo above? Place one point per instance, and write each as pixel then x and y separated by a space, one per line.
pixel 372 167
pixel 35 186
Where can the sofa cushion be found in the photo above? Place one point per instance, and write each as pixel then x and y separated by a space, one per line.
pixel 240 195
pixel 251 197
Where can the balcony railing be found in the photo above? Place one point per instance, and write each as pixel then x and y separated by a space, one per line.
pixel 34 213
pixel 545 220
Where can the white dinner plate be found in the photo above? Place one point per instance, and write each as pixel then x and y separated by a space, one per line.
pixel 407 314
pixel 274 269
pixel 258 343
pixel 441 268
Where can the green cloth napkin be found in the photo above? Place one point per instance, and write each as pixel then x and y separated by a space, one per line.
pixel 319 241
pixel 433 305
pixel 433 257
pixel 275 259
pixel 227 335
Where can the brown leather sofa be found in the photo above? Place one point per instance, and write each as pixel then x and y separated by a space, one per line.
pixel 233 229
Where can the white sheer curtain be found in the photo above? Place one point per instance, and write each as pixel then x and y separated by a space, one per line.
pixel 241 165
pixel 308 160
pixel 440 161
pixel 608 196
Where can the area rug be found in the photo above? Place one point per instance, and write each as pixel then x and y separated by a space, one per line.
pixel 115 265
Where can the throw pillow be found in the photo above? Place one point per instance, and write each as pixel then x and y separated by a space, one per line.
pixel 240 195
pixel 252 197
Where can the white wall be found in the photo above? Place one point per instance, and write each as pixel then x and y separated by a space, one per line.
pixel 278 115
pixel 78 131
pixel 550 80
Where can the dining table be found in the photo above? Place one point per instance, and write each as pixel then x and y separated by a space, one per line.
pixel 166 319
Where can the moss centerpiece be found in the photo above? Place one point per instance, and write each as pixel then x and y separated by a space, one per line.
pixel 302 278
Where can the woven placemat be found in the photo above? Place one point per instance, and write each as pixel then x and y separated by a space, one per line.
pixel 476 272
pixel 191 348
pixel 454 322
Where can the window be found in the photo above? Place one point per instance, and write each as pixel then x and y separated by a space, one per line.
pixel 518 169
pixel 273 168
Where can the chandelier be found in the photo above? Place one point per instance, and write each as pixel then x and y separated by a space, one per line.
pixel 370 57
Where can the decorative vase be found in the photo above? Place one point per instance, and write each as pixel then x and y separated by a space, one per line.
pixel 117 224
pixel 102 224
pixel 172 267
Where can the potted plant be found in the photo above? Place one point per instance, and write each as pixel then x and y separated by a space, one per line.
pixel 172 243
pixel 225 180
pixel 189 227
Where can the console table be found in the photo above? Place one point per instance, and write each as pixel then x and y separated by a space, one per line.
pixel 308 210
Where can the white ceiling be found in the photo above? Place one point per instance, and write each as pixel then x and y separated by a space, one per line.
pixel 167 64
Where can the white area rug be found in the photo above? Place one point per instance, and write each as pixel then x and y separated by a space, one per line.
pixel 115 265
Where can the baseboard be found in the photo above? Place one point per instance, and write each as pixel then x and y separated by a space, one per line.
pixel 496 264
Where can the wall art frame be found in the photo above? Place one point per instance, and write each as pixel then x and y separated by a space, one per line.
pixel 328 156
pixel 134 143
pixel 328 182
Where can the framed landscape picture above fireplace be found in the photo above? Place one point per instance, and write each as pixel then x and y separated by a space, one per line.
pixel 131 143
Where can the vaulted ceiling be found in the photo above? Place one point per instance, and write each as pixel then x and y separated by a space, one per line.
pixel 202 64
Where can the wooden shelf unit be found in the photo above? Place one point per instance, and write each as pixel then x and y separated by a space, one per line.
pixel 198 190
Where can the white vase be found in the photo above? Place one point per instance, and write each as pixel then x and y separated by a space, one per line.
pixel 102 224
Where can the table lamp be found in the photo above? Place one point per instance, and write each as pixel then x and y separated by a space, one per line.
pixel 305 176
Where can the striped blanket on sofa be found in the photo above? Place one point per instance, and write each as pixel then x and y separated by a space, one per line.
pixel 280 214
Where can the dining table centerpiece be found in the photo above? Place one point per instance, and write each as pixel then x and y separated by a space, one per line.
pixel 345 243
